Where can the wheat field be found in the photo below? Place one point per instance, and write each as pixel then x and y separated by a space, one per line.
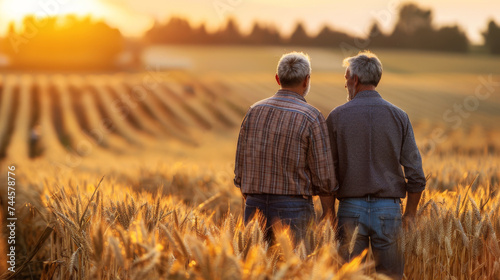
pixel 129 176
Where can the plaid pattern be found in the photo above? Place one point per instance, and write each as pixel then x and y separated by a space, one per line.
pixel 283 148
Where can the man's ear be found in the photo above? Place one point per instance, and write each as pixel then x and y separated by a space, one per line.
pixel 356 80
pixel 306 80
pixel 278 79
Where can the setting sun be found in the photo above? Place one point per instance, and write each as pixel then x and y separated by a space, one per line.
pixel 115 14
pixel 13 10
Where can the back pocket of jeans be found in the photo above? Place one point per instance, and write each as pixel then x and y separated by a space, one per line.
pixel 348 216
pixel 391 225
pixel 347 223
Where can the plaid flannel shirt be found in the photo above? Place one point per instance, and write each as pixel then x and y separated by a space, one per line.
pixel 283 148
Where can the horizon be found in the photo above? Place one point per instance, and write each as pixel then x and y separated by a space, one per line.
pixel 214 14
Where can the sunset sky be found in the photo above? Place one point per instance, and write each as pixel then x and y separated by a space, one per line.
pixel 135 16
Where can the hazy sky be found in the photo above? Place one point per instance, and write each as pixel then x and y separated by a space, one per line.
pixel 355 16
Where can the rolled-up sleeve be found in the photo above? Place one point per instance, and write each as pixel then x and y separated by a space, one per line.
pixel 238 165
pixel 319 159
pixel 412 161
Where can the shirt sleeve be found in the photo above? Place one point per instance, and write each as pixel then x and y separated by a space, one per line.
pixel 319 159
pixel 412 161
pixel 238 165
pixel 332 135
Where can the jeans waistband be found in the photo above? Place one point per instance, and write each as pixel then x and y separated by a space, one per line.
pixel 373 198
pixel 265 196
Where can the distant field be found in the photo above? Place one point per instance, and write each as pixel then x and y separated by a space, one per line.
pixel 425 84
pixel 258 59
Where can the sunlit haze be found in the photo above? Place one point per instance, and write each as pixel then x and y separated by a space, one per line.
pixel 134 17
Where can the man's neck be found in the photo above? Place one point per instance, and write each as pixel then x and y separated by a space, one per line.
pixel 363 88
pixel 295 89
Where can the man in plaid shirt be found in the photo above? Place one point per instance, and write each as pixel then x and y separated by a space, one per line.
pixel 283 156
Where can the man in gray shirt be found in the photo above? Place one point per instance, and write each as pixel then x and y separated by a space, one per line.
pixel 372 141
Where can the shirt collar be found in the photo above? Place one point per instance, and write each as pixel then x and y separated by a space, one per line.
pixel 290 94
pixel 367 93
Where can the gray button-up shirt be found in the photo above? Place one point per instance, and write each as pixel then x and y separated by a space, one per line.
pixel 371 141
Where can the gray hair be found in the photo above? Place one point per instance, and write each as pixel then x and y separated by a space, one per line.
pixel 366 66
pixel 293 68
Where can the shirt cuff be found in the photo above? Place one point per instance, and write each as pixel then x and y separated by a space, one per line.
pixel 237 182
pixel 415 188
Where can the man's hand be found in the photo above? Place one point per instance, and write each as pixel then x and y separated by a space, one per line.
pixel 244 195
pixel 411 208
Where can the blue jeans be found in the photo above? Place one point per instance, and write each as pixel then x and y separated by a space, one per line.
pixel 379 222
pixel 295 212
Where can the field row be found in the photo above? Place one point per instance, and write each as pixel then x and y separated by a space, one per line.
pixel 57 115
pixel 54 115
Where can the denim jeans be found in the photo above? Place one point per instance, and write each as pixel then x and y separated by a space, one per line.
pixel 295 212
pixel 379 222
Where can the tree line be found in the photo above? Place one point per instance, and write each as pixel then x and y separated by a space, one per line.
pixel 82 42
pixel 413 30
pixel 62 43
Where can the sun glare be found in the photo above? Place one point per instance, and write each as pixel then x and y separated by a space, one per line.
pixel 14 10
pixel 130 22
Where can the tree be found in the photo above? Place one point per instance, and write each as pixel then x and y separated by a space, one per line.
pixel 63 43
pixel 376 36
pixel 412 18
pixel 176 31
pixel 451 38
pixel 262 35
pixel 492 37
pixel 414 30
pixel 201 35
pixel 230 34
pixel 299 36
pixel 328 37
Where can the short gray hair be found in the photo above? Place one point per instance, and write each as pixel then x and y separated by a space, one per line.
pixel 293 68
pixel 366 66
